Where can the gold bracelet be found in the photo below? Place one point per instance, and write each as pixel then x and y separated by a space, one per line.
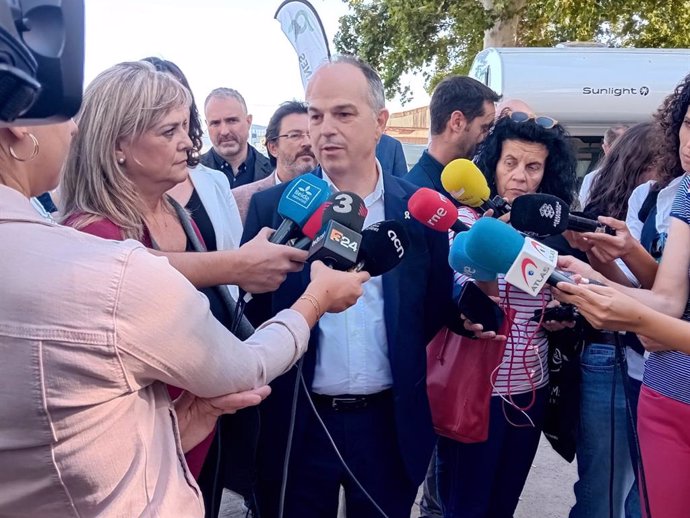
pixel 314 302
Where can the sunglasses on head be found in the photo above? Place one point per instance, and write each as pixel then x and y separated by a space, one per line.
pixel 541 120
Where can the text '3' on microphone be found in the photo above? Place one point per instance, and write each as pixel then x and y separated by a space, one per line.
pixel 546 215
pixel 338 242
pixel 434 210
pixel 465 182
pixel 300 199
pixel 526 263
pixel 383 247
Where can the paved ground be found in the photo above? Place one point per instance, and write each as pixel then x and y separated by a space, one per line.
pixel 547 494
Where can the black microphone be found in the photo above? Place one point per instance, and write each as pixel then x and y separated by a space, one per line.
pixel 547 215
pixel 338 243
pixel 383 247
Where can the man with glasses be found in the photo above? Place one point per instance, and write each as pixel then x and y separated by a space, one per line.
pixel 228 125
pixel 289 148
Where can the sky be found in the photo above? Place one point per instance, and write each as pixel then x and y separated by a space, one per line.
pixel 232 43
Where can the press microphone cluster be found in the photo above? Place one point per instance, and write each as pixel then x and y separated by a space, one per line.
pixel 493 246
pixel 337 243
pixel 547 215
pixel 465 182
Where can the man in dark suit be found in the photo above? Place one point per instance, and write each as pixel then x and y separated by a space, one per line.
pixel 390 154
pixel 365 369
pixel 461 111
pixel 228 128
pixel 289 149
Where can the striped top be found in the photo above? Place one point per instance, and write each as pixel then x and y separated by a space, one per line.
pixel 668 372
pixel 524 366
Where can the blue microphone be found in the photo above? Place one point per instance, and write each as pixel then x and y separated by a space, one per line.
pixel 300 200
pixel 461 263
pixel 526 263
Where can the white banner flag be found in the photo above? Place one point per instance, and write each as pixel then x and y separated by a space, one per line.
pixel 302 26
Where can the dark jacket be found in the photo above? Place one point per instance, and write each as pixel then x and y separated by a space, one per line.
pixel 258 166
pixel 390 153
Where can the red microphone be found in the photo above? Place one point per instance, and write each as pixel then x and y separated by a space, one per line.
pixel 434 210
pixel 312 227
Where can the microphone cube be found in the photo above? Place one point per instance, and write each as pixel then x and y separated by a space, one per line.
pixel 337 246
pixel 532 267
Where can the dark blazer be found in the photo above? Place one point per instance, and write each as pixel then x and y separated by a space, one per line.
pixel 262 165
pixel 390 153
pixel 427 173
pixel 417 302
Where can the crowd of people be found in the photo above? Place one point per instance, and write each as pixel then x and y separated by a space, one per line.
pixel 134 385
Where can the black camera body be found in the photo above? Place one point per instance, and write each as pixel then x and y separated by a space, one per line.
pixel 41 60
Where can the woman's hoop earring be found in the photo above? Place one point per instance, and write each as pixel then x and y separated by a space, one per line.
pixel 34 151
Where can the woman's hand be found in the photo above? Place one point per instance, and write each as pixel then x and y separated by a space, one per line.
pixel 197 416
pixel 335 291
pixel 603 307
pixel 580 268
pixel 556 325
pixel 607 248
pixel 478 329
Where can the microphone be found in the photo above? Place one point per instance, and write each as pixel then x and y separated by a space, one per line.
pixel 547 215
pixel 526 263
pixel 434 210
pixel 383 247
pixel 338 243
pixel 458 260
pixel 311 228
pixel 302 197
pixel 465 182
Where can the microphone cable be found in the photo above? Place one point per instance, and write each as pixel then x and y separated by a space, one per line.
pixel 620 354
pixel 286 462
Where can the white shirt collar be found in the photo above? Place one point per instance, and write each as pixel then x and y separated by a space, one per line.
pixel 372 197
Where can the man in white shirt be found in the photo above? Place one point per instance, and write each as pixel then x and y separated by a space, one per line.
pixel 366 367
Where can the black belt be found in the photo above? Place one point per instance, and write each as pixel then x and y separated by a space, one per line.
pixel 350 401
pixel 593 336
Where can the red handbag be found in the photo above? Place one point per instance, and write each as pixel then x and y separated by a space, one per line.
pixel 459 376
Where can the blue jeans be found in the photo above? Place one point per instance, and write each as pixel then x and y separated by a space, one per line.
pixel 594 441
pixel 485 479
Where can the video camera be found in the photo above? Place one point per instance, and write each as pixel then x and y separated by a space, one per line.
pixel 41 60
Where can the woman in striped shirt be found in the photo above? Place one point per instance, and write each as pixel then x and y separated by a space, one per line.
pixel 522 155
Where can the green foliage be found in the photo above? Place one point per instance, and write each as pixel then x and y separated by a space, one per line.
pixel 441 37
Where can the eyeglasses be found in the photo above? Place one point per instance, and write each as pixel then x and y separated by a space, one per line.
pixel 295 136
pixel 542 120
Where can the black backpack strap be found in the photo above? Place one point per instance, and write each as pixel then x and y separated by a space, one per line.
pixel 648 204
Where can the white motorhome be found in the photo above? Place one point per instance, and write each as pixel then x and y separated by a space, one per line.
pixel 587 89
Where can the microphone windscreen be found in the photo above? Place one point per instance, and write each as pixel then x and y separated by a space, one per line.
pixel 346 208
pixel 315 222
pixel 492 244
pixel 302 197
pixel 383 246
pixel 432 209
pixel 465 182
pixel 539 214
pixel 458 260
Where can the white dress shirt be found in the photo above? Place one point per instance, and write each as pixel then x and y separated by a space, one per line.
pixel 352 357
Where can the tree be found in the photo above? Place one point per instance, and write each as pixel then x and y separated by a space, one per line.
pixel 441 37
